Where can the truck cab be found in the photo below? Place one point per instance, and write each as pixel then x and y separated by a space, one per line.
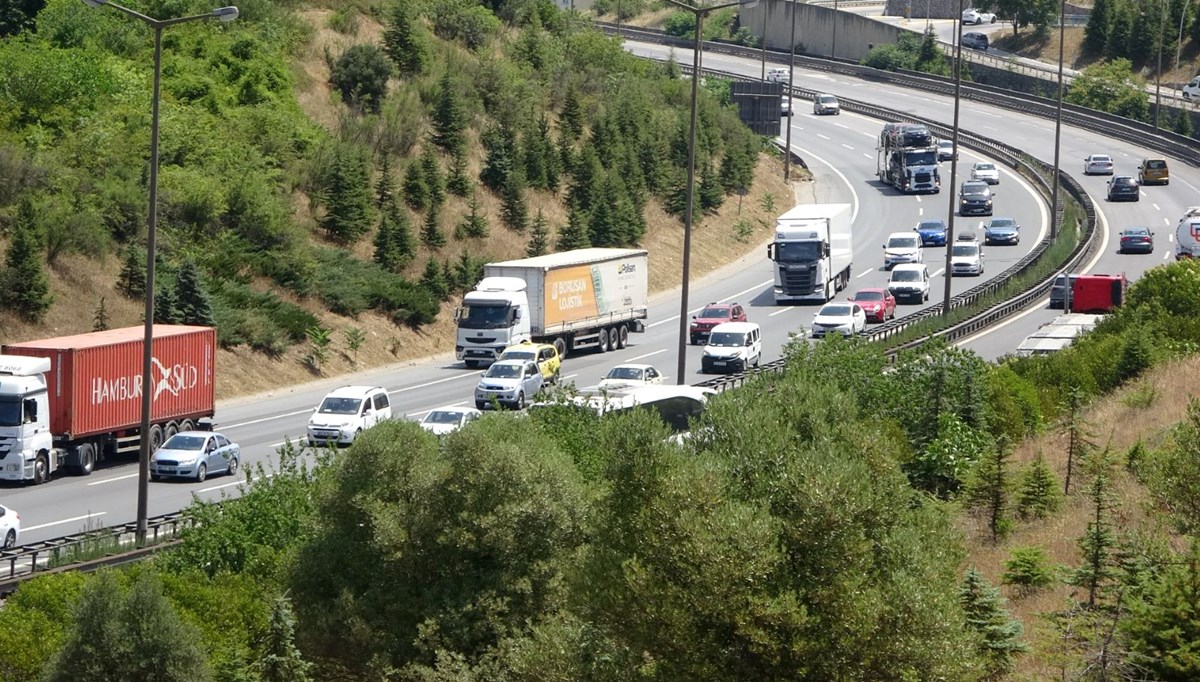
pixel 26 442
pixel 491 318
pixel 812 252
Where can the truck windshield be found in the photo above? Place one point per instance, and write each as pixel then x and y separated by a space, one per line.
pixel 483 316
pixel 10 412
pixel 922 158
pixel 797 252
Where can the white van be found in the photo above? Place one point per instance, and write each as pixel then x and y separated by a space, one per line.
pixel 346 412
pixel 732 347
pixel 778 75
pixel 1192 89
pixel 910 282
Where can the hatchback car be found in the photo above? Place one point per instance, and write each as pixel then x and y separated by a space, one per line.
pixel 1001 231
pixel 846 319
pixel 732 347
pixel 1137 240
pixel 545 355
pixel 1123 188
pixel 1098 164
pixel 785 106
pixel 10 527
pixel 975 198
pixel 986 171
pixel 509 383
pixel 826 104
pixel 946 150
pixel 713 315
pixel 195 454
pixel 966 258
pixel 974 16
pixel 932 232
pixel 449 419
pixel 975 41
pixel 902 247
pixel 879 305
pixel 1154 171
pixel 625 376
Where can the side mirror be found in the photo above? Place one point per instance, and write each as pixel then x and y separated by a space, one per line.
pixel 693 317
pixel 458 313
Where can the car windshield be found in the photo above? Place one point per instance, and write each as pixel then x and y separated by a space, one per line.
pixel 922 158
pixel 185 442
pixel 797 252
pixel 1002 223
pixel 934 225
pixel 905 276
pixel 503 371
pixel 340 406
pixel 10 412
pixel 727 339
pixel 519 355
pixel 945 144
pixel 1101 159
pixel 483 316
pixel 974 190
pixel 442 417
pixel 964 250
pixel 984 167
pixel 630 373
pixel 1128 182
pixel 715 313
pixel 835 311
pixel 828 99
pixel 1156 164
pixel 868 296
pixel 905 242
pixel 1137 232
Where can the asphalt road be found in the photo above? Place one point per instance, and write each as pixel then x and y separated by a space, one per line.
pixel 840 152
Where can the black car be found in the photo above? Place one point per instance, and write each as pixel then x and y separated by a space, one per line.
pixel 975 40
pixel 1137 240
pixel 975 198
pixel 1124 188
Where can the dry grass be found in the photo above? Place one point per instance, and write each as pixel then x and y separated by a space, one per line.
pixel 1028 44
pixel 1143 411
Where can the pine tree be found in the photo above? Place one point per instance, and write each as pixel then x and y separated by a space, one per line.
pixel 711 194
pixel 194 304
pixel 550 155
pixel 348 197
pixel 566 154
pixel 433 281
pixel 999 634
pixel 500 157
pixel 450 278
pixel 1095 34
pixel 513 212
pixel 281 660
pixel 25 288
pixel 449 117
pixel 467 271
pixel 1120 34
pixel 989 489
pixel 405 40
pixel 431 171
pixel 539 238
pixel 573 235
pixel 100 321
pixel 602 223
pixel 474 225
pixel 1098 544
pixel 416 193
pixel 166 305
pixel 1038 495
pixel 1143 40
pixel 394 246
pixel 457 181
pixel 1164 625
pixel 132 280
pixel 586 178
pixel 385 189
pixel 1183 123
pixel 1079 444
pixel 570 120
pixel 431 231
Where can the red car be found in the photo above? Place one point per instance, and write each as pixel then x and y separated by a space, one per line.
pixel 712 315
pixel 878 304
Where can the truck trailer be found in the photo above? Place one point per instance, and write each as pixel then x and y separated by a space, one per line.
pixel 586 298
pixel 1187 234
pixel 1057 334
pixel 812 252
pixel 68 402
pixel 906 159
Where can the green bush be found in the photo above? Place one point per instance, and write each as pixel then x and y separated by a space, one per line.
pixel 1029 569
pixel 349 287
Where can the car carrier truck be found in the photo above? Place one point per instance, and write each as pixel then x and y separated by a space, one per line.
pixel 69 402
pixel 906 159
pixel 586 298
pixel 812 252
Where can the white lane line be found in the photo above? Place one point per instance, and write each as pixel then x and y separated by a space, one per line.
pixel 918 198
pixel 921 211
pixel 937 273
pixel 1156 207
pixel 870 135
pixel 842 125
pixel 847 146
pixel 727 298
pixel 646 355
pixel 112 480
pixel 218 487
pixel 431 383
pixel 845 181
pixel 866 155
pixel 780 312
pixel 73 519
pixel 1166 255
pixel 264 419
pixel 864 273
pixel 825 137
pixel 1033 308
pixel 1170 237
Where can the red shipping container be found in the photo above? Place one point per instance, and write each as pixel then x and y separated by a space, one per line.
pixel 95 379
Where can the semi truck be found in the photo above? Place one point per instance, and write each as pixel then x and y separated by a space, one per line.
pixel 1057 334
pixel 812 252
pixel 586 298
pixel 907 159
pixel 1187 234
pixel 69 402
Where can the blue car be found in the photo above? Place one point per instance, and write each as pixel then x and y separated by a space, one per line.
pixel 932 232
pixel 1001 231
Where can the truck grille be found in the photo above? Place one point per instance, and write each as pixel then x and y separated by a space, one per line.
pixel 482 339
pixel 923 178
pixel 799 279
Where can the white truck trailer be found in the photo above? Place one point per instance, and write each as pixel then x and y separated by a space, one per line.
pixel 1057 334
pixel 812 252
pixel 587 298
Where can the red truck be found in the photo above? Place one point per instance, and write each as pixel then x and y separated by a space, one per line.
pixel 75 400
pixel 1097 293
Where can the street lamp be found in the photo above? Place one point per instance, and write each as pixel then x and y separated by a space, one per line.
pixel 224 14
pixel 953 162
pixel 699 13
pixel 787 153
pixel 1062 12
pixel 1162 19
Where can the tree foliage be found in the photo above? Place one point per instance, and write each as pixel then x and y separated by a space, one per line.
pixel 999 634
pixel 24 284
pixel 361 75
pixel 348 197
pixel 405 38
pixel 1038 494
pixel 1112 87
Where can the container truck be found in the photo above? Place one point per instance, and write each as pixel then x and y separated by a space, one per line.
pixel 1187 234
pixel 68 402
pixel 907 159
pixel 812 252
pixel 586 298
pixel 1057 334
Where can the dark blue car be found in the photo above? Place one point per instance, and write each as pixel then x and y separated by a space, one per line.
pixel 1001 231
pixel 932 232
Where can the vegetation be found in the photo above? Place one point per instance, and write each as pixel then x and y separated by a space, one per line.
pixel 913 53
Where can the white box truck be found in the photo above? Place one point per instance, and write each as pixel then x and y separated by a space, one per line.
pixel 812 252
pixel 587 298
pixel 1057 334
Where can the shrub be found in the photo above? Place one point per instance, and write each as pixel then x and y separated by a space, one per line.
pixel 1039 493
pixel 351 286
pixel 361 75
pixel 1029 569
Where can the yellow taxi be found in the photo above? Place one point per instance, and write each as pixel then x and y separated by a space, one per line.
pixel 545 355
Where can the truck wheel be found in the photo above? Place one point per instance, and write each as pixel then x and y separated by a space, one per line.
pixel 623 336
pixel 87 459
pixel 560 346
pixel 41 470
pixel 156 437
pixel 187 425
pixel 614 339
pixel 171 429
pixel 603 341
pixel 201 473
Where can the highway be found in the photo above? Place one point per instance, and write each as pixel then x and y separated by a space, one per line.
pixel 840 152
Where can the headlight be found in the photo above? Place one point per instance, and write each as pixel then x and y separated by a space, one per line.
pixel 707 354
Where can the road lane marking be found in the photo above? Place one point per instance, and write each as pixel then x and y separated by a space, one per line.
pixel 1156 207
pixel 826 137
pixel 265 419
pixel 646 355
pixel 938 273
pixel 780 312
pixel 73 519
pixel 218 487
pixel 865 273
pixel 866 155
pixel 727 298
pixel 1166 255
pixel 111 480
pixel 431 383
pixel 847 146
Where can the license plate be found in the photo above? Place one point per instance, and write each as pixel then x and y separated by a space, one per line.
pixel 719 363
pixel 166 470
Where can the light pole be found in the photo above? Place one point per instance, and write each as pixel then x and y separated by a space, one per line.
pixel 833 47
pixel 690 195
pixel 1162 19
pixel 224 14
pixel 787 153
pixel 763 76
pixel 1062 12
pixel 949 271
pixel 1179 43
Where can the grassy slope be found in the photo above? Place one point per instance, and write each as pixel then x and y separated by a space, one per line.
pixel 1028 44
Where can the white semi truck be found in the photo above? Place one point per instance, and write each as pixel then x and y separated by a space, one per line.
pixel 1187 234
pixel 587 298
pixel 812 252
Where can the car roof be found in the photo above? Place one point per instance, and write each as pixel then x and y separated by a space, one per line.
pixel 721 306
pixel 736 327
pixel 906 235
pixel 528 345
pixel 202 434
pixel 1137 228
pixel 1100 156
pixel 870 290
pixel 518 363
pixel 901 267
pixel 632 365
pixel 1121 177
pixel 965 237
pixel 352 391
pixel 973 185
pixel 454 408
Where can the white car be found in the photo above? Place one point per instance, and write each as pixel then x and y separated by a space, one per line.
pixel 732 347
pixel 910 283
pixel 195 455
pixel 826 104
pixel 785 107
pixel 846 319
pixel 510 383
pixel 346 412
pixel 449 419
pixel 986 172
pixel 626 376
pixel 777 75
pixel 1100 164
pixel 974 16
pixel 10 527
pixel 1192 89
pixel 966 257
pixel 946 150
pixel 902 247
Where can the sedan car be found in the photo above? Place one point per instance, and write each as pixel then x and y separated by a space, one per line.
pixel 946 150
pixel 449 419
pixel 1098 164
pixel 826 104
pixel 509 383
pixel 879 305
pixel 195 454
pixel 1001 231
pixel 627 376
pixel 974 198
pixel 1124 188
pixel 1137 240
pixel 932 232
pixel 10 527
pixel 974 16
pixel 846 319
pixel 545 355
pixel 986 172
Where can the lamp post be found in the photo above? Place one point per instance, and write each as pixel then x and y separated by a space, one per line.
pixel 763 75
pixel 833 47
pixel 787 153
pixel 1062 12
pixel 953 162
pixel 1179 43
pixel 690 195
pixel 224 14
pixel 1162 19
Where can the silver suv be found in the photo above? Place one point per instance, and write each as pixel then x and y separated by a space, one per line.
pixel 510 383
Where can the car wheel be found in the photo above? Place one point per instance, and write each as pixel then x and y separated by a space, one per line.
pixel 480 405
pixel 694 340
pixel 233 466
pixel 201 473
pixel 10 539
pixel 356 435
pixel 521 400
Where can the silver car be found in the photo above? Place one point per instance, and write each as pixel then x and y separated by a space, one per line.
pixel 195 454
pixel 509 383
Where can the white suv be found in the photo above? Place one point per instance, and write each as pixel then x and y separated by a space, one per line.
pixel 902 247
pixel 777 75
pixel 910 282
pixel 732 347
pixel 346 412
